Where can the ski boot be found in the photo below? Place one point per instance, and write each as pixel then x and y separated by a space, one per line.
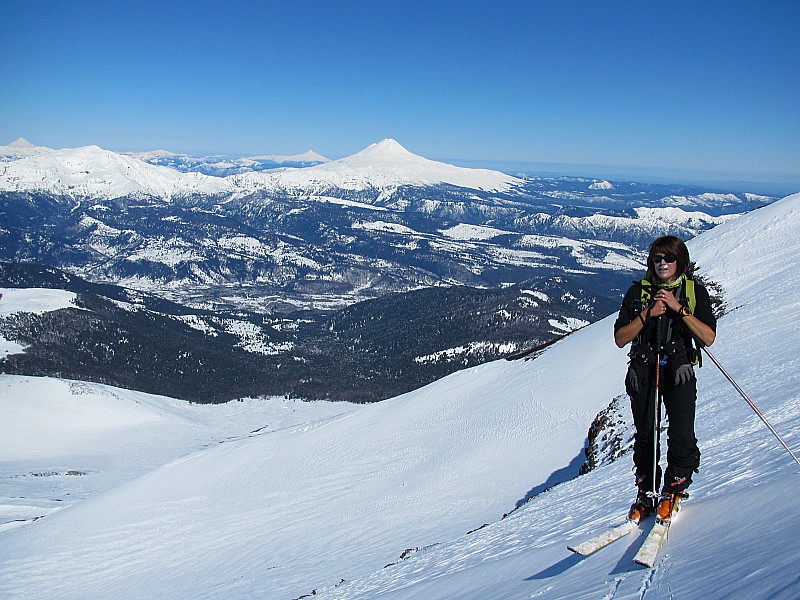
pixel 669 505
pixel 643 506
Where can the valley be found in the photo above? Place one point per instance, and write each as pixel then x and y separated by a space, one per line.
pixel 357 279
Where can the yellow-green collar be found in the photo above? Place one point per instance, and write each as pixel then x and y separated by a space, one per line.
pixel 675 284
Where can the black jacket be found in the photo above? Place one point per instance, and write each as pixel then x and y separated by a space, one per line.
pixel 673 331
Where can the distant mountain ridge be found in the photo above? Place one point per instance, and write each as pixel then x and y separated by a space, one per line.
pixel 21 148
pixel 217 166
pixel 374 273
pixel 93 172
pixel 224 166
pixel 309 156
pixel 380 221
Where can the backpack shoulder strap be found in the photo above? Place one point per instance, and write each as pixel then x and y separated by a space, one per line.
pixel 690 296
pixel 695 356
pixel 646 289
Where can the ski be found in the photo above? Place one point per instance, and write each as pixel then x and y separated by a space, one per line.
pixel 602 540
pixel 648 553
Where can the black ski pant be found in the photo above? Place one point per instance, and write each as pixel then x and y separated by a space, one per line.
pixel 683 455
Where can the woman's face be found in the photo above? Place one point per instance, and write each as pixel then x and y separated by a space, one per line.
pixel 667 271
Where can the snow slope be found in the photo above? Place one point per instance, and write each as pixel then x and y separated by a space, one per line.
pixel 15 300
pixel 277 514
pixel 62 441
pixel 311 505
pixel 731 540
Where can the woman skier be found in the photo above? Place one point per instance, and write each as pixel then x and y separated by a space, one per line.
pixel 662 315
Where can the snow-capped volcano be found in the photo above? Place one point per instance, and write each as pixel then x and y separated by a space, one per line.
pixel 387 163
pixel 387 153
pixel 21 143
pixel 21 148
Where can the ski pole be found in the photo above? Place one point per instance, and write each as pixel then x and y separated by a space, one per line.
pixel 751 403
pixel 657 409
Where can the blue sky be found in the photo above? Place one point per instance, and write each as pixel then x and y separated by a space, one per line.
pixel 701 86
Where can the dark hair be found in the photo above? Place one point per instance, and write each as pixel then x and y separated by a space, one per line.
pixel 669 244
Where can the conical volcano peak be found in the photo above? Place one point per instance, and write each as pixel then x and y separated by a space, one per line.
pixel 388 146
pixel 21 142
pixel 387 164
pixel 21 148
pixel 385 151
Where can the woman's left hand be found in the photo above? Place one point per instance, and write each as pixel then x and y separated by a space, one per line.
pixel 695 325
pixel 669 299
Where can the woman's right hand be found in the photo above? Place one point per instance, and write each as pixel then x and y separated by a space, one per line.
pixel 658 308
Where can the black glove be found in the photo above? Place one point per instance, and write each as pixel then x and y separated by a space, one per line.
pixel 683 374
pixel 642 361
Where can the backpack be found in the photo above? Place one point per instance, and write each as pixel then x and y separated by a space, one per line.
pixel 648 289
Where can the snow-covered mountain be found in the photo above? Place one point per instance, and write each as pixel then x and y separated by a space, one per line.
pixel 377 501
pixel 91 172
pixel 219 166
pixel 385 164
pixel 309 157
pixel 21 148
pixel 382 220
pixel 223 166
pixel 601 185
pixel 96 173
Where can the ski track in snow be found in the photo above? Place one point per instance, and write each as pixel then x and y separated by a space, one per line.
pixel 165 510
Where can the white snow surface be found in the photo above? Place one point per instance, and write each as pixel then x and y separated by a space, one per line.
pixel 186 501
pixel 16 300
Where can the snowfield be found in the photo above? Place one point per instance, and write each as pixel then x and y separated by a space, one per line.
pixel 147 497
pixel 21 300
pixel 15 300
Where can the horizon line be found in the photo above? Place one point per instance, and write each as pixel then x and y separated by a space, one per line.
pixel 769 182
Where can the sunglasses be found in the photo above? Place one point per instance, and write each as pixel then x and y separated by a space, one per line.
pixel 667 258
